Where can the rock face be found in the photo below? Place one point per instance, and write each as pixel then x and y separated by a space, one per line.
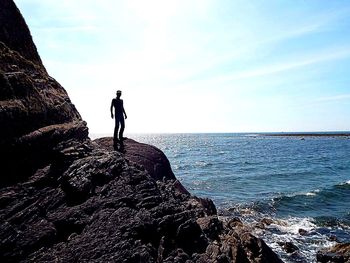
pixel 30 103
pixel 339 253
pixel 14 32
pixel 65 198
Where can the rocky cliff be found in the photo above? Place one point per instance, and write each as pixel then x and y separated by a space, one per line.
pixel 65 198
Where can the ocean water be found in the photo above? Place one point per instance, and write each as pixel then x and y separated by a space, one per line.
pixel 298 183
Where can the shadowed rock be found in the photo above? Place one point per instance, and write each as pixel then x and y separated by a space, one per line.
pixel 150 157
pixel 30 103
pixel 339 253
pixel 14 32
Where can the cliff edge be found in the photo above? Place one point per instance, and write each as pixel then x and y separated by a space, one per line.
pixel 65 198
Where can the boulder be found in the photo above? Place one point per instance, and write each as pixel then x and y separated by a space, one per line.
pixel 288 246
pixel 149 157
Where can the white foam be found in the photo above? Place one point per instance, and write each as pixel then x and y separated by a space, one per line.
pixel 286 230
pixel 289 232
pixel 202 164
pixel 347 182
pixel 310 194
pixel 293 224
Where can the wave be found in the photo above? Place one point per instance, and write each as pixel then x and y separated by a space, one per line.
pixel 304 232
pixel 202 164
pixel 336 197
pixel 301 232
pixel 344 183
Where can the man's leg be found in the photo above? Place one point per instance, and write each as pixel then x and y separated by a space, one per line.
pixel 122 127
pixel 116 128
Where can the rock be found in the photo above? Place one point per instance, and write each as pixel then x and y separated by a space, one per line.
pixel 257 250
pixel 267 221
pixel 33 107
pixel 211 226
pixel 65 198
pixel 302 232
pixel 20 39
pixel 339 253
pixel 234 223
pixel 151 158
pixel 263 223
pixel 289 247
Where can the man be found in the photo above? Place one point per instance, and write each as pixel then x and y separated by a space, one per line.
pixel 119 113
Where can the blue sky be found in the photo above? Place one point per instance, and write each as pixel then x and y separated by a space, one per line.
pixel 200 65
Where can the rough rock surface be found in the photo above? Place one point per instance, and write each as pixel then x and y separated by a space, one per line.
pixel 150 157
pixel 339 253
pixel 30 102
pixel 14 32
pixel 65 198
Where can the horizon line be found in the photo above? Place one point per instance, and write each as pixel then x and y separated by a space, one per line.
pixel 259 132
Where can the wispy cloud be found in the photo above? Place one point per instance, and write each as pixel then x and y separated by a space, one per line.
pixel 271 69
pixel 276 68
pixel 334 98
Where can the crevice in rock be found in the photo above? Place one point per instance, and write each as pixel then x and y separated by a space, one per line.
pixel 65 229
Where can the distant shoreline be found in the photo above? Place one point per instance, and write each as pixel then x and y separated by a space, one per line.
pixel 307 134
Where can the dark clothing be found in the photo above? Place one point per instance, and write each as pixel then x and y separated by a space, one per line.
pixel 119 119
pixel 118 107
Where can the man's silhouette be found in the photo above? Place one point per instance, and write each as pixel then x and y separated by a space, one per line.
pixel 119 113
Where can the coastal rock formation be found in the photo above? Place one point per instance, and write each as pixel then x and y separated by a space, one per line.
pixel 65 198
pixel 151 158
pixel 339 253
pixel 14 32
pixel 35 111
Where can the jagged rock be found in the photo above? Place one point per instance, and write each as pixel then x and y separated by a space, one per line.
pixel 339 253
pixel 211 226
pixel 14 32
pixel 33 108
pixel 65 198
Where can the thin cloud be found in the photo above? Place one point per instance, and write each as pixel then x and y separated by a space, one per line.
pixel 272 69
pixel 319 23
pixel 334 98
pixel 266 70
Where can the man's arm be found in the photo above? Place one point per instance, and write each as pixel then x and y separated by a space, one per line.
pixel 112 109
pixel 124 113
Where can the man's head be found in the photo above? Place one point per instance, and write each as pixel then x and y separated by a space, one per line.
pixel 119 93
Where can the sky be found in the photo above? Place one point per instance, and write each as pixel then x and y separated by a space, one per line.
pixel 200 65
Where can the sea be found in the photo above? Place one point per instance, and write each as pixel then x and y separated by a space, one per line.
pixel 300 185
